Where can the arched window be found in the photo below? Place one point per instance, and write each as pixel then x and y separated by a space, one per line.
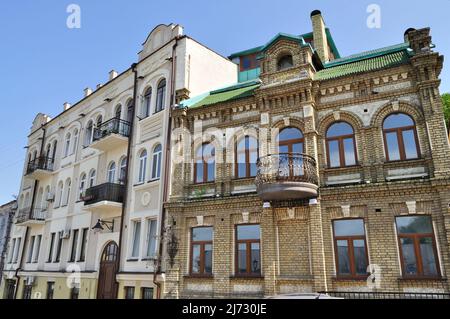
pixel 341 146
pixel 142 166
pixel 400 137
pixel 99 121
pixel 285 62
pixel 118 113
pixel 55 145
pixel 67 188
pixel 75 141
pixel 123 170
pixel 39 199
pixel 246 157
pixel 89 133
pixel 147 102
pixel 67 144
pixel 290 140
pixel 160 96
pixel 92 175
pixel 156 162
pixel 111 172
pixel 82 185
pixel 45 201
pixel 48 151
pixel 205 164
pixel 59 194
pixel 130 110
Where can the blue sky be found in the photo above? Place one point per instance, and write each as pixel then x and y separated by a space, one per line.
pixel 44 64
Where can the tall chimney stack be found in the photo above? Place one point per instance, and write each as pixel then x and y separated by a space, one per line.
pixel 320 36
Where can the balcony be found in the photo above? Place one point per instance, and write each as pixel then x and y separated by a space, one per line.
pixel 27 216
pixel 111 135
pixel 104 197
pixel 40 168
pixel 287 177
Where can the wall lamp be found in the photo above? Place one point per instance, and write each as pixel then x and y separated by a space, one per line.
pixel 99 226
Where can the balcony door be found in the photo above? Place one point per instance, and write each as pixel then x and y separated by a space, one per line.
pixel 107 284
pixel 291 146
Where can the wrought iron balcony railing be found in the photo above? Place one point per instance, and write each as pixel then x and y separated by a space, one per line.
pixel 386 295
pixel 113 126
pixel 292 167
pixel 105 192
pixel 43 163
pixel 28 214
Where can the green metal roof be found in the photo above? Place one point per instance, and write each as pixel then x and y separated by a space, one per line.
pixel 233 92
pixel 363 65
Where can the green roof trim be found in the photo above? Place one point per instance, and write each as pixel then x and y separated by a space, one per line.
pixel 363 65
pixel 246 52
pixel 230 93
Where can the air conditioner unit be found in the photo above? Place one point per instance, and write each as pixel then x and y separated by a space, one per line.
pixel 30 281
pixel 65 234
pixel 50 197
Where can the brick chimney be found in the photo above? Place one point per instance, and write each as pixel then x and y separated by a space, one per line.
pixel 320 36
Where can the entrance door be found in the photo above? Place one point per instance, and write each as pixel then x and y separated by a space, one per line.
pixel 107 284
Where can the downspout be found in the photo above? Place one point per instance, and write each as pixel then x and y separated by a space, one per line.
pixel 130 142
pixel 33 198
pixel 166 169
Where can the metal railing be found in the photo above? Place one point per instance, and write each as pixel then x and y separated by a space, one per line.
pixel 113 126
pixel 27 214
pixel 386 295
pixel 104 192
pixel 43 162
pixel 292 167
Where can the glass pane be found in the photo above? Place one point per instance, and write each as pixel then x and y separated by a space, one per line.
pixel 199 172
pixel 255 258
pixel 202 234
pixel 410 144
pixel 359 252
pixel 248 232
pixel 414 225
pixel 428 257
pixel 392 146
pixel 333 149
pixel 253 169
pixel 242 172
pixel 151 248
pixel 397 120
pixel 195 258
pixel 297 148
pixel 343 257
pixel 136 239
pixel 289 134
pixel 208 258
pixel 339 129
pixel 242 258
pixel 349 152
pixel 211 172
pixel 283 149
pixel 350 227
pixel 409 256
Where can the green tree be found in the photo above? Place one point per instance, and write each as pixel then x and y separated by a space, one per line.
pixel 446 105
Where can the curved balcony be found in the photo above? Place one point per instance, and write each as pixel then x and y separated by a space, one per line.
pixel 40 167
pixel 287 177
pixel 111 135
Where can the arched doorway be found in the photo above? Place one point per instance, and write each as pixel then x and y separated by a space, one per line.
pixel 107 284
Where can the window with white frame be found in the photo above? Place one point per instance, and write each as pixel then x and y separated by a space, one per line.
pixel 147 103
pixel 16 250
pixel 67 144
pixel 30 249
pixel 11 250
pixel 75 141
pixel 151 238
pixel 112 172
pixel 123 170
pixel 82 185
pixel 67 189
pixel 59 194
pixel 136 239
pixel 37 248
pixel 160 96
pixel 73 251
pixel 92 175
pixel 89 133
pixel 142 166
pixel 156 162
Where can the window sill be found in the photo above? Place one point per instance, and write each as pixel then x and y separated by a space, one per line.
pixel 397 162
pixel 154 180
pixel 256 277
pixel 132 259
pixel 148 258
pixel 343 278
pixel 344 168
pixel 191 276
pixel 422 278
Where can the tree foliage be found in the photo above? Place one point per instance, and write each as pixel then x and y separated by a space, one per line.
pixel 446 105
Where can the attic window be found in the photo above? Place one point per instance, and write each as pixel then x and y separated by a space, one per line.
pixel 285 62
pixel 248 62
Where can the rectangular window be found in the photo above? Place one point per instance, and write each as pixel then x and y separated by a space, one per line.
pixel 12 250
pixel 417 246
pixel 129 292
pixel 73 253
pixel 30 249
pixel 50 250
pixel 201 250
pixel 84 234
pixel 16 250
pixel 248 62
pixel 10 288
pixel 37 248
pixel 59 247
pixel 248 257
pixel 27 290
pixel 136 239
pixel 50 289
pixel 350 248
pixel 151 237
pixel 147 293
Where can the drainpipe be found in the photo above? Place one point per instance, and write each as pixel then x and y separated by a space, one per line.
pixel 126 181
pixel 166 170
pixel 33 198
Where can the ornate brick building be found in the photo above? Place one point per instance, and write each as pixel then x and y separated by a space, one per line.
pixel 314 173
